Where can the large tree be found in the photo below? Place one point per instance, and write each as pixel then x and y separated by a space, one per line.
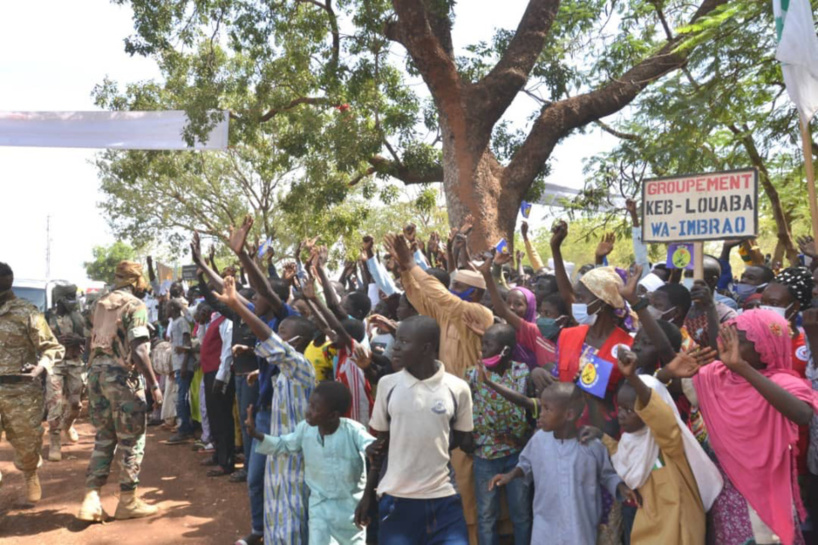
pixel 719 112
pixel 328 70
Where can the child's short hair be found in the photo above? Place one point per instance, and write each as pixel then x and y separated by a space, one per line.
pixel 303 327
pixel 354 328
pixel 505 333
pixel 335 394
pixel 358 304
pixel 280 288
pixel 568 395
pixel 673 334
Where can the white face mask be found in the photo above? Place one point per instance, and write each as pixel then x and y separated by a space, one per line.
pixel 580 312
pixel 658 314
pixel 781 311
pixel 688 283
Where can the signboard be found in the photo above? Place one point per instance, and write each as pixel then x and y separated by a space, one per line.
pixel 697 207
pixel 680 256
pixel 189 272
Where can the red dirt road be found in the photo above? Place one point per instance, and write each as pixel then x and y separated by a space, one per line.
pixel 195 508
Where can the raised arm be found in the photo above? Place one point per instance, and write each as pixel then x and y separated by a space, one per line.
pixel 558 236
pixel 500 307
pixel 333 303
pixel 652 329
pixel 342 338
pixel 640 249
pixel 259 282
pixel 796 410
pixel 533 256
pixel 230 298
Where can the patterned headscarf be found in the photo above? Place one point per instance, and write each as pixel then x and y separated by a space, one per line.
pixel 799 282
pixel 129 273
pixel 604 282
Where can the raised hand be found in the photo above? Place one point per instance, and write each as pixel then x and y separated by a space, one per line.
pixel 701 295
pixel 626 361
pixel 630 206
pixel 228 296
pixel 323 255
pixel 524 230
pixel 503 258
pixel 238 235
pixel 212 253
pixel 685 365
pixel 606 245
pixel 288 274
pixel 807 246
pixel 409 232
pixel 628 290
pixel 467 225
pixel 367 246
pixel 519 254
pixel 729 352
pixel 558 234
pixel 400 251
pixel 196 248
pixel 308 286
pixel 485 268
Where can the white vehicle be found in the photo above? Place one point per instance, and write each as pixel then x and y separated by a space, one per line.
pixel 38 292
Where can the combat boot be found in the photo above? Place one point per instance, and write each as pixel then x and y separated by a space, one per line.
pixel 91 509
pixel 131 507
pixel 71 435
pixel 33 490
pixel 54 447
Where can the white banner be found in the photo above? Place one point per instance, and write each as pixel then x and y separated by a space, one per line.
pixel 711 206
pixel 115 130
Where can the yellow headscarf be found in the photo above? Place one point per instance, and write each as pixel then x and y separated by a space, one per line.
pixel 604 283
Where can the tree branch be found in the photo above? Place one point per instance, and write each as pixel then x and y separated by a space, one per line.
pixel 333 22
pixel 313 101
pixel 619 134
pixel 406 175
pixel 557 120
pixel 499 87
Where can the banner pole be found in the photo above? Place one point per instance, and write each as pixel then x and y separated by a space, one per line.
pixel 698 261
pixel 806 140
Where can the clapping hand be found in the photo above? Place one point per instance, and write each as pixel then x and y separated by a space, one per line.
pixel 606 245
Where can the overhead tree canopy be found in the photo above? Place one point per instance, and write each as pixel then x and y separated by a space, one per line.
pixel 328 82
pixel 720 112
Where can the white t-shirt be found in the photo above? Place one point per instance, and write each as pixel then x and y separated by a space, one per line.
pixel 178 329
pixel 419 416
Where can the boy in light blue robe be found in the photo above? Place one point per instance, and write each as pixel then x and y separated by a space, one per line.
pixel 335 471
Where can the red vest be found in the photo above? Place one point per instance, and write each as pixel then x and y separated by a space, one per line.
pixel 569 348
pixel 212 347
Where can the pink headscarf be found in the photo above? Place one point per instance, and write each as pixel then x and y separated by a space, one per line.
pixel 750 437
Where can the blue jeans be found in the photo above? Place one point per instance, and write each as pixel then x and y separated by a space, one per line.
pixel 518 496
pixel 422 522
pixel 245 395
pixel 255 475
pixel 182 407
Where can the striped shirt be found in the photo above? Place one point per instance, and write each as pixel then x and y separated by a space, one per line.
pixel 285 494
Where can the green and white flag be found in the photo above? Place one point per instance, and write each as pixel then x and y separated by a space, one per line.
pixel 798 53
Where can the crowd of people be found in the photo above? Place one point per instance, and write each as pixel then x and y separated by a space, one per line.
pixel 429 395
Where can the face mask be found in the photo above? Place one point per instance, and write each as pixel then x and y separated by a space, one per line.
pixel 658 314
pixel 744 290
pixel 688 283
pixel 580 312
pixel 781 311
pixel 293 339
pixel 464 295
pixel 494 361
pixel 549 328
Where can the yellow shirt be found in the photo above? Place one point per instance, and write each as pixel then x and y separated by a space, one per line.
pixel 459 345
pixel 322 365
pixel 672 511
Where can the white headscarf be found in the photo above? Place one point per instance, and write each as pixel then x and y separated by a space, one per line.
pixel 637 454
pixel 651 282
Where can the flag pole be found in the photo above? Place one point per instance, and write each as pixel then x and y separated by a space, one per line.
pixel 806 140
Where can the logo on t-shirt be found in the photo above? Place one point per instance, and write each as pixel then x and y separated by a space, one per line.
pixel 439 407
pixel 802 353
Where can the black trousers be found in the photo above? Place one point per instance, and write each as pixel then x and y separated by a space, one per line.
pixel 220 415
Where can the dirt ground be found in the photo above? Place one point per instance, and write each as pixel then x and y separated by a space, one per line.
pixel 194 508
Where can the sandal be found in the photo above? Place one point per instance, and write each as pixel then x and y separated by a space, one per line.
pixel 218 472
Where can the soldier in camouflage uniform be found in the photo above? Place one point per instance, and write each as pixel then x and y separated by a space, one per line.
pixel 24 334
pixel 65 384
pixel 119 352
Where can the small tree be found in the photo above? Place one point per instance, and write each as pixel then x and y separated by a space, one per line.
pixel 106 258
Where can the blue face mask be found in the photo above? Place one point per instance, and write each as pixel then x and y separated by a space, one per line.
pixel 744 290
pixel 464 295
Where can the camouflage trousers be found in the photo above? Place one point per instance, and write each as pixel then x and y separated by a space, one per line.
pixel 21 414
pixel 63 394
pixel 117 408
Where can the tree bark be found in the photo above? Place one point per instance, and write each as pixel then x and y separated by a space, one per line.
pixel 475 182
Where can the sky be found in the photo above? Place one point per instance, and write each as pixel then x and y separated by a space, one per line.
pixel 53 53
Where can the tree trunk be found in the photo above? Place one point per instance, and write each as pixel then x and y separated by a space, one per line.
pixel 472 182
